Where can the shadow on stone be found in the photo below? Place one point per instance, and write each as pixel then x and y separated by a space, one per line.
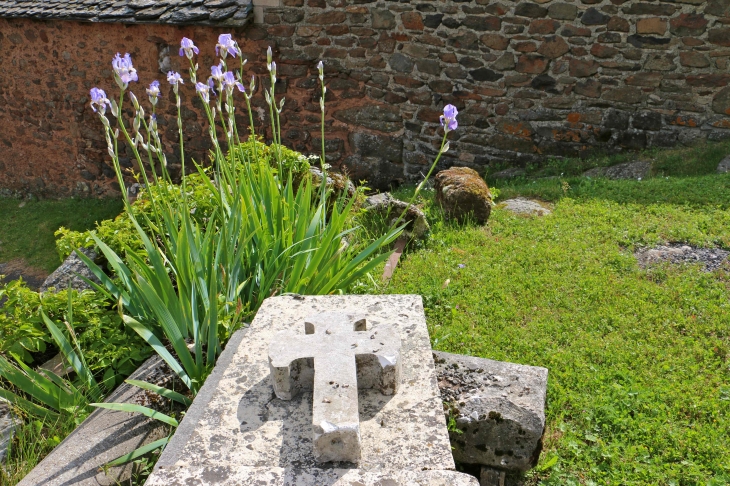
pixel 259 406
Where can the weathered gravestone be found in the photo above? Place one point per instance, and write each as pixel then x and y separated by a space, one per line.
pixel 239 432
pixel 338 344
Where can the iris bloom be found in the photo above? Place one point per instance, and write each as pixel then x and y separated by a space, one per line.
pixel 204 91
pixel 154 91
pixel 187 48
pixel 226 44
pixel 230 81
pixel 99 99
pixel 448 119
pixel 124 69
pixel 174 78
pixel 216 72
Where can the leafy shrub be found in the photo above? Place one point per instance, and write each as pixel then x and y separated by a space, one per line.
pixel 112 351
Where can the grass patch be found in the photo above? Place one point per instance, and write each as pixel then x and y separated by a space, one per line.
pixel 699 159
pixel 699 191
pixel 33 440
pixel 639 360
pixel 28 226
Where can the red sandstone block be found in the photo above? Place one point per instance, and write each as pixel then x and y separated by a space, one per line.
pixel 412 20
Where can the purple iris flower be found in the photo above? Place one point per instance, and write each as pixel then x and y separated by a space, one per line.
pixel 226 44
pixel 204 91
pixel 216 72
pixel 154 92
pixel 448 119
pixel 230 81
pixel 174 78
pixel 187 48
pixel 99 99
pixel 124 69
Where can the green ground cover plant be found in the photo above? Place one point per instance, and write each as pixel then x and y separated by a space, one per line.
pixel 112 350
pixel 28 226
pixel 639 359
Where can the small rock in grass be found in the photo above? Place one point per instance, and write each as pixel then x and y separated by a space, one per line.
pixel 595 172
pixel 638 170
pixel 462 193
pixel 724 165
pixel 520 205
pixel 679 253
pixel 390 209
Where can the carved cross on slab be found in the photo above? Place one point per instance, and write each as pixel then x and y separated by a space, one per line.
pixel 347 355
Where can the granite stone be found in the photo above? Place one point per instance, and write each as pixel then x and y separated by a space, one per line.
pixel 237 430
pixel 326 359
pixel 498 407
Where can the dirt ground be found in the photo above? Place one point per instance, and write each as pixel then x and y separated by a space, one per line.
pixel 15 269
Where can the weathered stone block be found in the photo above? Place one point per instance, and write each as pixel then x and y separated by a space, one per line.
pixel 463 193
pixel 533 10
pixel 375 117
pixel 70 273
pixel 652 25
pixel 531 64
pixel 562 11
pixel 688 24
pixel 383 19
pixel 594 17
pixel 372 145
pixel 389 209
pixel 237 432
pixel 583 68
pixel 499 407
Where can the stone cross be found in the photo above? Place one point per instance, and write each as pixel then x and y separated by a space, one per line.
pixel 336 355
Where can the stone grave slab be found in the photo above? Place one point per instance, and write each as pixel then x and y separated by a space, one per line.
pixel 239 432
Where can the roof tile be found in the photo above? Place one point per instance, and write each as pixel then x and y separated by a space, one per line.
pixel 205 12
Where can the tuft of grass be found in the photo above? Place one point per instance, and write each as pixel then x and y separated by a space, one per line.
pixel 34 439
pixel 28 226
pixel 639 360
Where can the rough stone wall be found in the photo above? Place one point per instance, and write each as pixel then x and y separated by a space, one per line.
pixel 531 79
pixel 51 143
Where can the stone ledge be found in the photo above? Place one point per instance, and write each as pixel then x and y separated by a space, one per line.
pixel 278 476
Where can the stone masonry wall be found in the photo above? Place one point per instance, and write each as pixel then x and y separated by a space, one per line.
pixel 531 80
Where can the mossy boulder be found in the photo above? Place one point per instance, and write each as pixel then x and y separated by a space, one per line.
pixel 463 194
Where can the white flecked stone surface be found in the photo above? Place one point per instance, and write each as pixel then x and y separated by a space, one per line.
pixel 237 430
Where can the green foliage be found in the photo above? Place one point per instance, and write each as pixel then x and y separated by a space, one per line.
pixel 639 359
pixel 34 439
pixel 28 226
pixel 42 393
pixel 111 350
